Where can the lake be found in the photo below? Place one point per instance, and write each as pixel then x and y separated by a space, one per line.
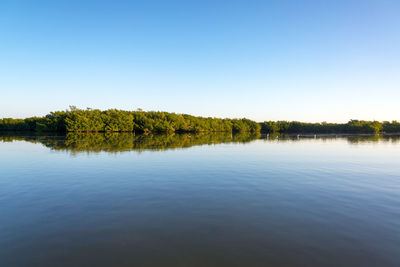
pixel 199 200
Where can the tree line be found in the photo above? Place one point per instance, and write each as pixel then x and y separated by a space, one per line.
pixel 353 126
pixel 114 120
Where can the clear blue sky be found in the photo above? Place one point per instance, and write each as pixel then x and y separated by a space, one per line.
pixel 265 60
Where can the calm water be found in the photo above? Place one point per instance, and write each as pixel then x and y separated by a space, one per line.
pixel 199 200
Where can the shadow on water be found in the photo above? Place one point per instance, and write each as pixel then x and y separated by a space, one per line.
pixel 120 142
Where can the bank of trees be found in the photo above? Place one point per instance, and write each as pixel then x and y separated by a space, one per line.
pixel 113 120
pixel 353 126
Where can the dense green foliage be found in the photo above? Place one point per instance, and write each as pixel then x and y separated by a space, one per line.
pixel 113 120
pixel 353 126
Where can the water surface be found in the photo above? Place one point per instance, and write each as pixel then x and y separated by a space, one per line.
pixel 199 200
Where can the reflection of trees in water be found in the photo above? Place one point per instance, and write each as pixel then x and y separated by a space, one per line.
pixel 118 142
pixel 352 139
pixel 374 138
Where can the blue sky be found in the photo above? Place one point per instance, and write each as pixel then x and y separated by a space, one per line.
pixel 265 60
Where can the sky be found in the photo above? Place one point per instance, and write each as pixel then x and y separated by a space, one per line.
pixel 311 60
